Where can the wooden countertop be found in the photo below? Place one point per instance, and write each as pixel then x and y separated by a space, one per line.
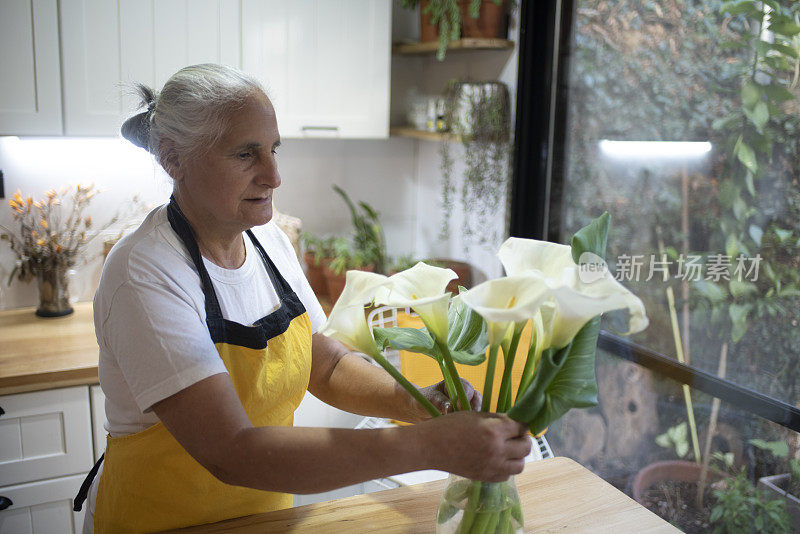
pixel 42 353
pixel 557 495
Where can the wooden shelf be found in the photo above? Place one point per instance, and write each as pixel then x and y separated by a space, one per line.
pixel 407 131
pixel 430 47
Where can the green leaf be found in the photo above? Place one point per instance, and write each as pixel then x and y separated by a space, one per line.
pixel 759 115
pixel 738 314
pixel 724 122
pixel 592 238
pixel 564 379
pixel 748 179
pixel 468 358
pixel 410 339
pixel 756 233
pixel 778 93
pixel 747 157
pixel 740 288
pixel 711 291
pixel 739 210
pixel 784 49
pixel 750 94
pixel 784 28
pixel 682 448
pixel 782 234
pixel 778 449
pixel 737 8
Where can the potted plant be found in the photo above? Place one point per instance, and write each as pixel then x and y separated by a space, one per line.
pixel 316 250
pixel 483 19
pixel 785 486
pixel 369 242
pixel 442 19
pixel 479 113
pixel 669 488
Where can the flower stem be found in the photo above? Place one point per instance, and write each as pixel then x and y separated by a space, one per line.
pixel 489 381
pixel 411 388
pixel 530 366
pixel 448 381
pixel 504 398
pixel 471 508
pixel 463 401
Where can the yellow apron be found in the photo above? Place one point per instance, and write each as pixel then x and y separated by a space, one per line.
pixel 149 482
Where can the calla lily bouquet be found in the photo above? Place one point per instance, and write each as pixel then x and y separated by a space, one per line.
pixel 547 284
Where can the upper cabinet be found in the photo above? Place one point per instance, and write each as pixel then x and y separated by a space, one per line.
pixel 108 46
pixel 30 77
pixel 324 63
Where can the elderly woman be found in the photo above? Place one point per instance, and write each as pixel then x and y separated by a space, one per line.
pixel 207 333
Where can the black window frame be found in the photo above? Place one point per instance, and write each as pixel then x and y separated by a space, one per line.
pixel 545 40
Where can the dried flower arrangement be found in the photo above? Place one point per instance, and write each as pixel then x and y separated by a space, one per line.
pixel 51 234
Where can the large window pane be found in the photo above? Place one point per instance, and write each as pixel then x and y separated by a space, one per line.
pixel 706 224
pixel 683 123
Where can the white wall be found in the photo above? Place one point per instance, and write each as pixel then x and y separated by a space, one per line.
pixel 379 172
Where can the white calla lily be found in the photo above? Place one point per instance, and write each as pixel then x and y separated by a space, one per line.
pixel 347 321
pixel 422 289
pixel 576 303
pixel 508 300
pixel 520 255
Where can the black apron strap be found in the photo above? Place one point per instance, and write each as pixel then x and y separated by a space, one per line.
pixel 80 498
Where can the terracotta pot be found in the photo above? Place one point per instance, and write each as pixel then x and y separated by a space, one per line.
pixel 427 31
pixel 316 278
pixel 462 269
pixel 491 23
pixel 335 282
pixel 677 470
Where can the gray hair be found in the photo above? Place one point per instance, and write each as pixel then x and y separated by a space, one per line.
pixel 191 112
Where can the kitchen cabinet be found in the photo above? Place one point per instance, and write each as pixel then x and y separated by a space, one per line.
pixel 325 64
pixel 98 404
pixel 108 45
pixel 45 453
pixel 30 80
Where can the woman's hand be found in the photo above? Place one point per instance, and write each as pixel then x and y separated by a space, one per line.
pixel 437 394
pixel 481 446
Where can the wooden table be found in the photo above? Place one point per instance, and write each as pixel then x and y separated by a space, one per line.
pixel 42 353
pixel 557 495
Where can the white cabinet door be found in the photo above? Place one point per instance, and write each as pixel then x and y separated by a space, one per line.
pixel 325 64
pixel 42 507
pixel 110 44
pixel 30 79
pixel 98 420
pixel 45 434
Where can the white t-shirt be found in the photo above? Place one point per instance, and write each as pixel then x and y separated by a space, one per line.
pixel 150 318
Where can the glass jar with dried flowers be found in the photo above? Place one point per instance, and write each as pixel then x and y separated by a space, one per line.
pixel 51 236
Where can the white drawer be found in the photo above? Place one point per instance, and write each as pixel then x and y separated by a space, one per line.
pixel 44 506
pixel 45 434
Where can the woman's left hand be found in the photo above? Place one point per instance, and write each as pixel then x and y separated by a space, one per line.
pixel 437 394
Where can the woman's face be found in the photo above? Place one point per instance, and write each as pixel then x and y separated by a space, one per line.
pixel 231 186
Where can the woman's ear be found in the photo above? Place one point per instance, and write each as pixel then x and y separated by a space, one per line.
pixel 170 160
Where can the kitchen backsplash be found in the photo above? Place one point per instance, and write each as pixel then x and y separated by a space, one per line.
pixel 379 172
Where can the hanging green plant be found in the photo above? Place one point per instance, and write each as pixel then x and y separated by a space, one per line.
pixel 478 114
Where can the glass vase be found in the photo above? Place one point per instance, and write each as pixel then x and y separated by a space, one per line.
pixel 474 507
pixel 53 291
